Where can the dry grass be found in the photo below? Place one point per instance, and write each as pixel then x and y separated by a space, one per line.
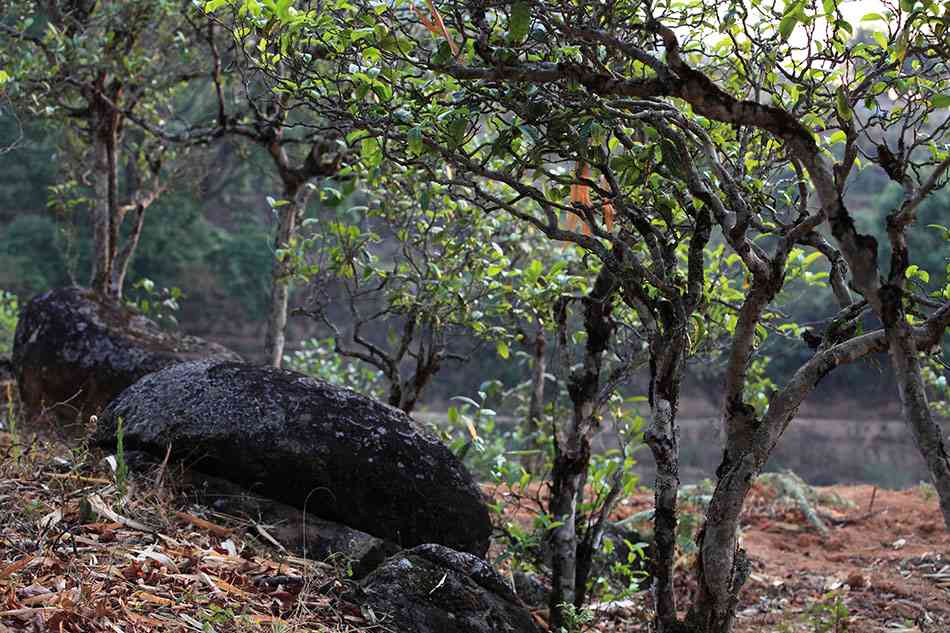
pixel 75 557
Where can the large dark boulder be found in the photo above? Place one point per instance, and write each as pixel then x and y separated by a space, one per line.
pixel 318 447
pixel 432 589
pixel 73 352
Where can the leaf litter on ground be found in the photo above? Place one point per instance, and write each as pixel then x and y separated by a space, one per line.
pixel 75 557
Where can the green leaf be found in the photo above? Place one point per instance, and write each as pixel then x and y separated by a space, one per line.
pixel 466 400
pixel 458 127
pixel 900 48
pixel 837 137
pixel 520 22
pixel 415 141
pixel 787 25
pixel 940 101
pixel 356 135
pixel 944 230
pixel 873 17
pixel 213 5
pixel 811 259
pixel 371 152
pixel 915 272
pixel 530 131
pixel 503 350
pixel 533 271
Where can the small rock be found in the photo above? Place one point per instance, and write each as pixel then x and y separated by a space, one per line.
pixel 856 581
pixel 531 589
pixel 433 589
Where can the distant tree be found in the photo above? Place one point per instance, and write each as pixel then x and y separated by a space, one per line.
pixel 96 67
pixel 22 239
pixel 403 284
pixel 302 150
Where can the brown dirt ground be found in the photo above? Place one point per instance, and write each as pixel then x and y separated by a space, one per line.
pixel 888 562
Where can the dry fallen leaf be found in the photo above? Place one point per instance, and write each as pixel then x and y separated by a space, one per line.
pixel 16 566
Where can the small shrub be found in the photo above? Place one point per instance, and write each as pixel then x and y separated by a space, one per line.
pixel 927 491
pixel 829 614
pixel 159 304
pixel 317 359
pixel 574 618
pixel 9 313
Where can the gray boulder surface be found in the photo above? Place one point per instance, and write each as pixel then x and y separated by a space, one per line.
pixel 318 447
pixel 532 590
pixel 73 352
pixel 432 589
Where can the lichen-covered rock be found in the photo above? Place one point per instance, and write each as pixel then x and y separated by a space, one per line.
pixel 432 589
pixel 318 447
pixel 531 588
pixel 73 352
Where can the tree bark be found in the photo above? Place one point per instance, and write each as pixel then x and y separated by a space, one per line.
pixel 287 218
pixel 404 393
pixel 572 455
pixel 859 250
pixel 569 466
pixel 534 463
pixel 297 191
pixel 109 264
pixel 104 126
pixel 926 431
pixel 412 389
pixel 666 357
pixel 120 266
pixel 722 566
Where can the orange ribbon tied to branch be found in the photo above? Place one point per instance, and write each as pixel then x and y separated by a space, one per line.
pixel 580 195
pixel 436 26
